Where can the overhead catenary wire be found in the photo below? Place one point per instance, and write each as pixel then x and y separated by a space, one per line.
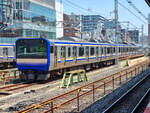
pixel 133 5
pixel 131 12
pixel 84 9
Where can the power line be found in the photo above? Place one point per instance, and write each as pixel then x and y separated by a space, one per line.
pixel 131 12
pixel 73 7
pixel 87 10
pixel 131 3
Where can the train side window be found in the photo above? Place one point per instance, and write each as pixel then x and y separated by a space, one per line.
pixel 69 52
pixel 92 51
pixel 97 51
pixel 114 50
pixel 55 51
pixel 108 50
pixel 14 49
pixel 74 52
pixel 52 49
pixel 105 50
pixel 5 51
pixel 63 51
pixel 87 51
pixel 101 50
pixel 81 51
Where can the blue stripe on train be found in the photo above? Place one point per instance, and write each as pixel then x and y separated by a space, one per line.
pixel 92 58
pixel 59 61
pixel 69 60
pixel 8 57
pixel 81 59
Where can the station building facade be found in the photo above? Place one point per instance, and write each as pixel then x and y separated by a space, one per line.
pixel 30 19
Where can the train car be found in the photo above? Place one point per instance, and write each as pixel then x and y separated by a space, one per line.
pixel 7 55
pixel 41 58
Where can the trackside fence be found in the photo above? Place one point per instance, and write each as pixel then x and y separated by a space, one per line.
pixel 88 94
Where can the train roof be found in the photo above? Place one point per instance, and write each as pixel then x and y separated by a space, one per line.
pixel 87 43
pixel 80 42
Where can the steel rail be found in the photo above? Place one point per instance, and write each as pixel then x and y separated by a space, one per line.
pixel 118 100
pixel 140 102
pixel 9 86
pixel 76 90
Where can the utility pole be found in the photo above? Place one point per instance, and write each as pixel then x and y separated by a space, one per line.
pixel 116 31
pixel 81 27
pixel 142 36
pixel 128 23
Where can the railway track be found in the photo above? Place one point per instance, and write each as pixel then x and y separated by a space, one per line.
pixel 140 107
pixel 130 101
pixel 73 99
pixel 6 89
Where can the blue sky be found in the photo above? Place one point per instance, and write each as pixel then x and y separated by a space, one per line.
pixel 106 7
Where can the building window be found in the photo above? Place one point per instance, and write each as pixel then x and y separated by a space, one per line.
pixel 67 30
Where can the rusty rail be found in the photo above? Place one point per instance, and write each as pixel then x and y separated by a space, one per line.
pixel 56 104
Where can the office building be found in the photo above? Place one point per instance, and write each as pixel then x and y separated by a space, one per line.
pixel 30 19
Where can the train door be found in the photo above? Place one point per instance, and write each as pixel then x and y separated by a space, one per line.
pixel 97 52
pixel 87 53
pixel 102 52
pixel 62 58
pixel 105 52
pixel 74 54
pixel 52 56
pixel 55 56
pixel 69 59
pixel 5 53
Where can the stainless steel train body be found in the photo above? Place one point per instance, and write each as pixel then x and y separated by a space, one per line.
pixel 7 54
pixel 43 56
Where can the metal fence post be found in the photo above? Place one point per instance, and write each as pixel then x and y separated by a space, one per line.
pixel 126 75
pixel 142 68
pixel 93 93
pixel 15 74
pixel 131 74
pixel 104 87
pixel 52 107
pixel 120 78
pixel 78 100
pixel 135 71
pixel 113 82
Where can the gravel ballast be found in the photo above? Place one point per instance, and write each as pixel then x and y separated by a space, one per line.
pixel 100 105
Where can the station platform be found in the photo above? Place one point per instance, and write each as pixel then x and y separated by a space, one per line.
pixel 147 110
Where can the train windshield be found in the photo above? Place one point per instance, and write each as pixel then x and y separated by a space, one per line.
pixel 31 48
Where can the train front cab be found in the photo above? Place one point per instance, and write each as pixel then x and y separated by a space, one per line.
pixel 33 58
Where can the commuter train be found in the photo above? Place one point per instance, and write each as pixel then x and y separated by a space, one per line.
pixel 7 55
pixel 41 58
